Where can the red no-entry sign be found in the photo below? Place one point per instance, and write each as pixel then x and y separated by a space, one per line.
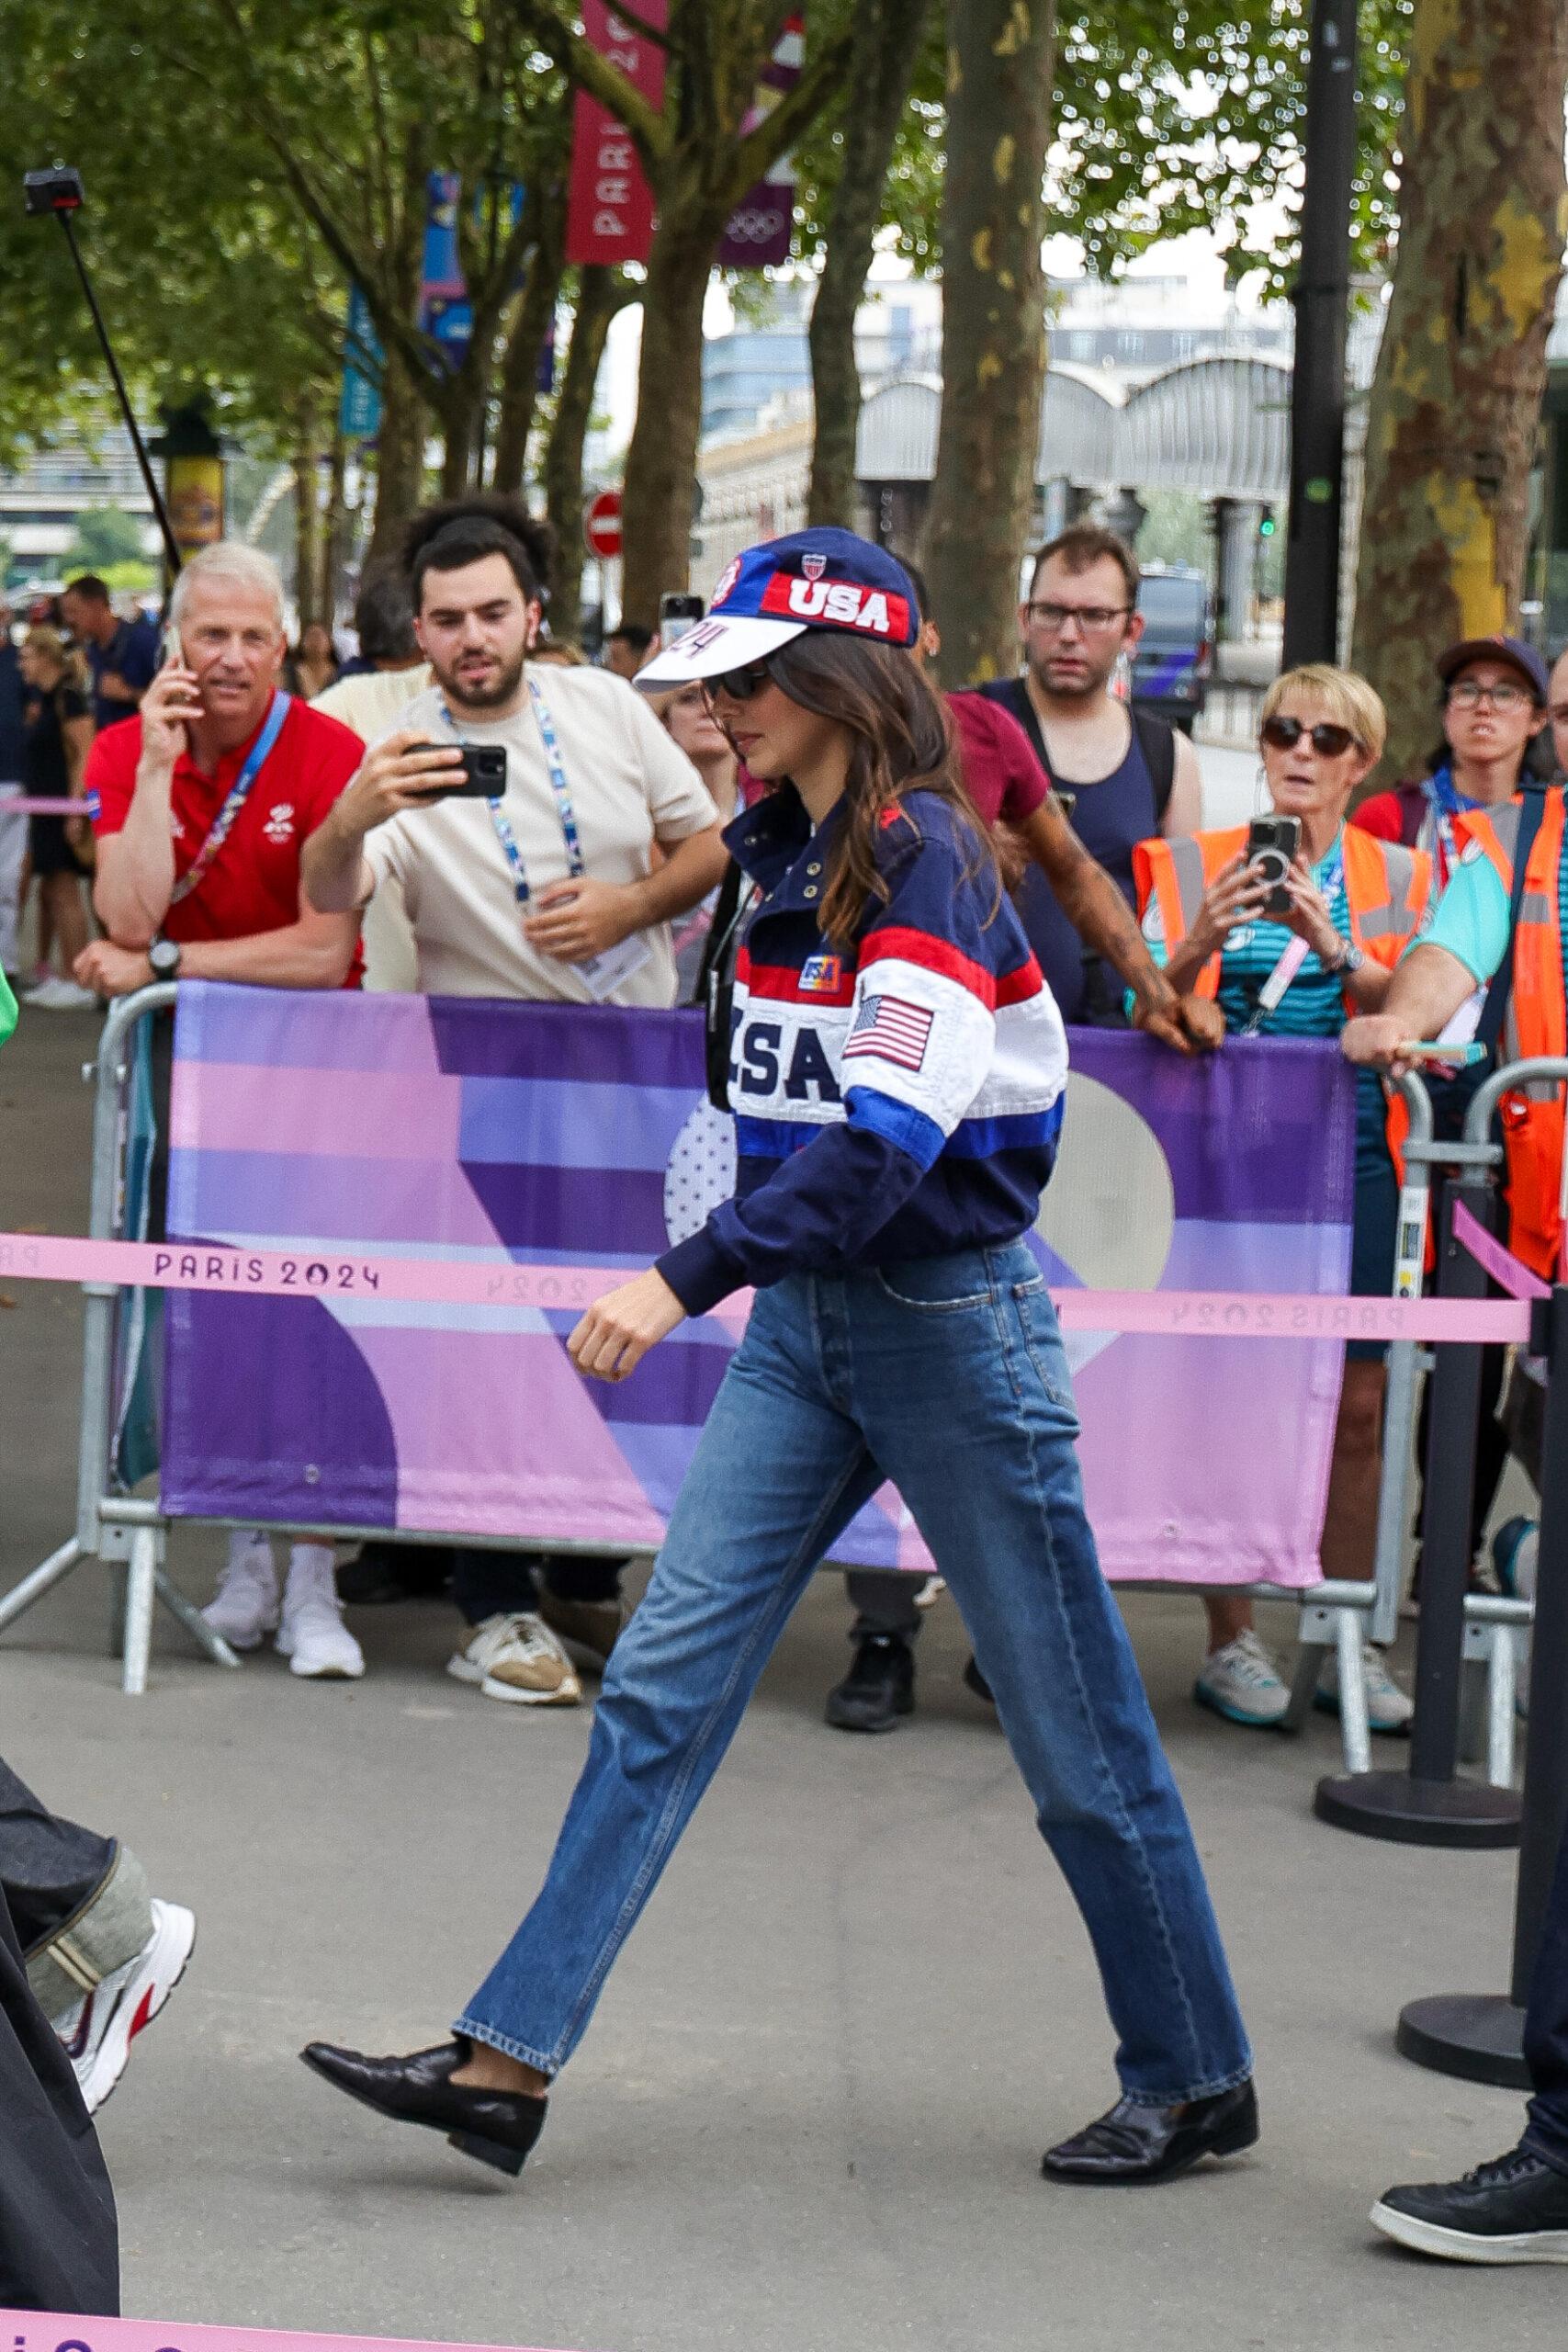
pixel 602 524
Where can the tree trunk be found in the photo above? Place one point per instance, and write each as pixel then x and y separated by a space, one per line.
pixel 307 526
pixel 524 351
pixel 600 294
pixel 460 413
pixel 662 463
pixel 998 94
pixel 399 458
pixel 1456 400
pixel 887 36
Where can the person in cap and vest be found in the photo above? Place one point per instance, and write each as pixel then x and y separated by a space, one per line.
pixel 1494 693
pixel 1458 957
pixel 1356 901
pixel 896 1067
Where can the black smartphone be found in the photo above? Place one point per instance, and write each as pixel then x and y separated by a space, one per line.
pixel 483 775
pixel 1272 846
pixel 678 612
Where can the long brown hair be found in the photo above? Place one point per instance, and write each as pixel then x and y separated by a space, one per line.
pixel 902 743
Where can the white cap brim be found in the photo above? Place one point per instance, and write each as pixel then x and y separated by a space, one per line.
pixel 714 645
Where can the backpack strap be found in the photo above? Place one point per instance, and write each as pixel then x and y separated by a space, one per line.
pixel 715 991
pixel 1156 741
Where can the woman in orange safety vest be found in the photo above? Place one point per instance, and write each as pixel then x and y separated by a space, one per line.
pixel 1355 903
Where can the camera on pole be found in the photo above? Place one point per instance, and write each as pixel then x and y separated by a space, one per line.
pixel 58 191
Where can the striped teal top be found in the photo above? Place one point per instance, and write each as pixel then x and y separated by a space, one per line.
pixel 1313 1004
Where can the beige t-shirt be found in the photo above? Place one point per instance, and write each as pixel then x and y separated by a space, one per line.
pixel 630 786
pixel 369 701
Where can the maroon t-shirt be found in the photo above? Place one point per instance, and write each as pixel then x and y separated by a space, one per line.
pixel 1001 770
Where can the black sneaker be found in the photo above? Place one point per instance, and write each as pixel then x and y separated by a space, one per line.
pixel 878 1688
pixel 1513 2210
pixel 382 1573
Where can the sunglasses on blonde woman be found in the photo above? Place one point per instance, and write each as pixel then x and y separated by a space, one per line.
pixel 1328 741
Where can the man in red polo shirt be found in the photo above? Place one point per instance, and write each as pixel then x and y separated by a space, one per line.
pixel 201 805
pixel 196 876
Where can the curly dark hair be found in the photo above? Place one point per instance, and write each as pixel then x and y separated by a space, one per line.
pixel 461 530
pixel 902 743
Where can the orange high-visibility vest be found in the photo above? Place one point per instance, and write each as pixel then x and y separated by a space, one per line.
pixel 1535 1023
pixel 1386 890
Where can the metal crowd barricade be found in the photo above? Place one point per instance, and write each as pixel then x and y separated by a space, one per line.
pixel 119 1527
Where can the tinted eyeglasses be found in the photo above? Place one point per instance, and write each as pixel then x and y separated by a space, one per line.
pixel 1328 741
pixel 740 684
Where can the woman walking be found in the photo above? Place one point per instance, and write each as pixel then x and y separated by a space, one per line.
pixel 898 1073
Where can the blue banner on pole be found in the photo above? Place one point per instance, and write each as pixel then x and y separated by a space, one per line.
pixel 359 405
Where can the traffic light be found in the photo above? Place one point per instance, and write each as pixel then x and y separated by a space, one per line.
pixel 1265 523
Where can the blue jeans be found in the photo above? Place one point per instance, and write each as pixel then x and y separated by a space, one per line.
pixel 946 1374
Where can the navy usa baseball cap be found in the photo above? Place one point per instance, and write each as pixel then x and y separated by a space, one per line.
pixel 818 579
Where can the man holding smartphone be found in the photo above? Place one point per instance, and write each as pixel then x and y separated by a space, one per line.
pixel 543 830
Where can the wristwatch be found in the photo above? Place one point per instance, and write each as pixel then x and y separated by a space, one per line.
pixel 1350 959
pixel 164 957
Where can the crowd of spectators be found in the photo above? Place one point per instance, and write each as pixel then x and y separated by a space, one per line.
pixel 263 812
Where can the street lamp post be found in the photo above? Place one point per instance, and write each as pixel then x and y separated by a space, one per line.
pixel 1322 303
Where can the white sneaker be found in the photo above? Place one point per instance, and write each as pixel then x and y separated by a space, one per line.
pixel 59 995
pixel 312 1636
pixel 1388 1708
pixel 517 1657
pixel 244 1607
pixel 1240 1682
pixel 99 2033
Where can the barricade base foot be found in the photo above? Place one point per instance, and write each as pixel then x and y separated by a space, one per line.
pixel 1418 1812
pixel 1477 2036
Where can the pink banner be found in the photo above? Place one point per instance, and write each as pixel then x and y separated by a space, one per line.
pixel 609 204
pixel 73 2332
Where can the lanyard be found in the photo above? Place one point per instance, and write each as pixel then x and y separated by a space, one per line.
pixel 1271 995
pixel 558 786
pixel 239 792
pixel 1448 802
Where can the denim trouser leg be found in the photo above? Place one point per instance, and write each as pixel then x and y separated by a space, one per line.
pixel 776 1474
pixel 978 1365
pixel 1546 2029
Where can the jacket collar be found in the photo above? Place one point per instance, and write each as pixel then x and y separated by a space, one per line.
pixel 773 842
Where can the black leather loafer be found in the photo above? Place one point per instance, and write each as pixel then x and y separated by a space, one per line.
pixel 1143 2143
pixel 497 2127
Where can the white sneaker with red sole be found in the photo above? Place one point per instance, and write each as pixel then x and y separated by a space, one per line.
pixel 99 2033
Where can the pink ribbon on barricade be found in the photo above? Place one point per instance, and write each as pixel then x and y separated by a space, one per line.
pixel 326 1274
pixel 75 2332
pixel 23 805
pixel 1509 1273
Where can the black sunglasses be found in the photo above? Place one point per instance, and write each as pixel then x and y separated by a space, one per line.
pixel 1328 741
pixel 740 684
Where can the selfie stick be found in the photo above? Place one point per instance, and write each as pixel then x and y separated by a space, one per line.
pixel 61 193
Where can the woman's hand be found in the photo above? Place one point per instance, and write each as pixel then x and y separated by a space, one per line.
pixel 1309 917
pixel 1235 896
pixel 619 1328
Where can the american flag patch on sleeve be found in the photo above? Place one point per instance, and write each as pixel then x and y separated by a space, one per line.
pixel 893 1029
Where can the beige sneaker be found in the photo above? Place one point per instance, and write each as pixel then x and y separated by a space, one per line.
pixel 518 1659
pixel 587 1630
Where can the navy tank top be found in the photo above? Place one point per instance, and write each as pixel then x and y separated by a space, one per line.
pixel 1109 817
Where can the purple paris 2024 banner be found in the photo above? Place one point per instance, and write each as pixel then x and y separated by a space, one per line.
pixel 416 1126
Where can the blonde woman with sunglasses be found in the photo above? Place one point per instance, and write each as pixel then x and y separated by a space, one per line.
pixel 1302 968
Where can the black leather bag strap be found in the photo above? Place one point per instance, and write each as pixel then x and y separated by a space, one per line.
pixel 716 982
pixel 1494 1012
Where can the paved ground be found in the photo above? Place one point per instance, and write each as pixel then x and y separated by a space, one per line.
pixel 810 2113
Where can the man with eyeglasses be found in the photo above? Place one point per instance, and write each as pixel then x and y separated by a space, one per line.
pixel 1124 774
